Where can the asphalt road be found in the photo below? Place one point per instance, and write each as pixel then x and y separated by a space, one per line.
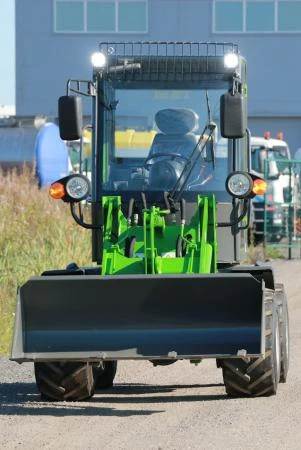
pixel 181 406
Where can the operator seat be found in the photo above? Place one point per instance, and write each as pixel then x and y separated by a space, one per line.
pixel 176 137
pixel 176 126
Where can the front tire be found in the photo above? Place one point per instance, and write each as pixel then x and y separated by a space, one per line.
pixel 104 374
pixel 64 381
pixel 257 377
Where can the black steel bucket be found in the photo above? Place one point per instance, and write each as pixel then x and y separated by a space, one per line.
pixel 88 317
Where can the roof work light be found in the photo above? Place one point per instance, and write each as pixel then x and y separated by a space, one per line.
pixel 231 60
pixel 98 60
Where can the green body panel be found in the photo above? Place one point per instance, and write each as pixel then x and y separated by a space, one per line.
pixel 154 250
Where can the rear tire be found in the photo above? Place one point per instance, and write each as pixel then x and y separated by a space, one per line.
pixel 257 377
pixel 104 374
pixel 64 381
pixel 283 330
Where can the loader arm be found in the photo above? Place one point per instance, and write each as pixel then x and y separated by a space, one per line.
pixel 154 242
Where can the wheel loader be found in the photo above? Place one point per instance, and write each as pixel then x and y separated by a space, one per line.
pixel 168 222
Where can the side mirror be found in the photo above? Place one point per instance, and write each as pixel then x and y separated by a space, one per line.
pixel 233 115
pixel 273 172
pixel 70 117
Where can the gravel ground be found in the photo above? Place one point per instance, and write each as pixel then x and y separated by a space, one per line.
pixel 181 406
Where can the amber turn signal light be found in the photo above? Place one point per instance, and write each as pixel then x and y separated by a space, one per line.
pixel 259 187
pixel 57 190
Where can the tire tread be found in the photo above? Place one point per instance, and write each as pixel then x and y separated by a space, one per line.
pixel 61 381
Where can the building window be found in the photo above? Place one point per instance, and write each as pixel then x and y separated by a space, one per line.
pixel 101 16
pixel 289 16
pixel 257 16
pixel 132 16
pixel 228 16
pixel 69 16
pixel 260 16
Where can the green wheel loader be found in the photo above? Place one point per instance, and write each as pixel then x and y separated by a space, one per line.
pixel 169 217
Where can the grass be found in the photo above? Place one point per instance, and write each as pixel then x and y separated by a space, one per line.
pixel 36 234
pixel 274 252
pixel 263 253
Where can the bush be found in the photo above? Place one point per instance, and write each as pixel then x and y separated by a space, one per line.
pixel 36 234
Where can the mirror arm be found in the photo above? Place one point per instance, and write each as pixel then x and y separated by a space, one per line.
pixel 246 226
pixel 248 132
pixel 236 85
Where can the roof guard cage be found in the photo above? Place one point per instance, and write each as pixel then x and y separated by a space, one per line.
pixel 166 61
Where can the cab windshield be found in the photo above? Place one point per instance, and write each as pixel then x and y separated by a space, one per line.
pixel 282 156
pixel 278 153
pixel 151 134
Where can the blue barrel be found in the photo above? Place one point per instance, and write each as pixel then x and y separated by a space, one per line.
pixel 52 161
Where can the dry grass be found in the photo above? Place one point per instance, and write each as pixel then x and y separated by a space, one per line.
pixel 36 234
pixel 261 253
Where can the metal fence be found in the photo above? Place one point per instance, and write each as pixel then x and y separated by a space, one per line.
pixel 282 207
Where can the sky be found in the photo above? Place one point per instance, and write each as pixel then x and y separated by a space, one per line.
pixel 7 52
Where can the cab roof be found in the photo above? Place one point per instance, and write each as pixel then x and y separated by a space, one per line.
pixel 268 143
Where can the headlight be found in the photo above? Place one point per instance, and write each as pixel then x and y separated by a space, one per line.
pixel 239 184
pixel 77 187
pixel 231 60
pixel 98 60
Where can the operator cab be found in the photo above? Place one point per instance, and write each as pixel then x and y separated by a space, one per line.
pixel 160 111
pixel 156 105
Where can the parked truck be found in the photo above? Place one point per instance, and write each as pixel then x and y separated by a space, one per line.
pixel 168 225
pixel 271 158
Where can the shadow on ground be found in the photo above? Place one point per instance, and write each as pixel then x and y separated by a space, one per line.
pixel 23 399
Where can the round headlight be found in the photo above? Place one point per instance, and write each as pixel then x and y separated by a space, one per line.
pixel 78 187
pixel 231 60
pixel 98 60
pixel 239 184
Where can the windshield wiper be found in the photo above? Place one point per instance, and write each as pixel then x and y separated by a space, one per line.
pixel 175 194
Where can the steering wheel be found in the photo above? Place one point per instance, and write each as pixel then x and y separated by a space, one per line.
pixel 169 155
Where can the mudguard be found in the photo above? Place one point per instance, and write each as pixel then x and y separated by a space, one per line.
pixel 90 317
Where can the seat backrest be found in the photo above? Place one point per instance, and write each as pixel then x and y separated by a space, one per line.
pixel 176 126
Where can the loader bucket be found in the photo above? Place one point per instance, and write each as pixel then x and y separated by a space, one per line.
pixel 90 317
